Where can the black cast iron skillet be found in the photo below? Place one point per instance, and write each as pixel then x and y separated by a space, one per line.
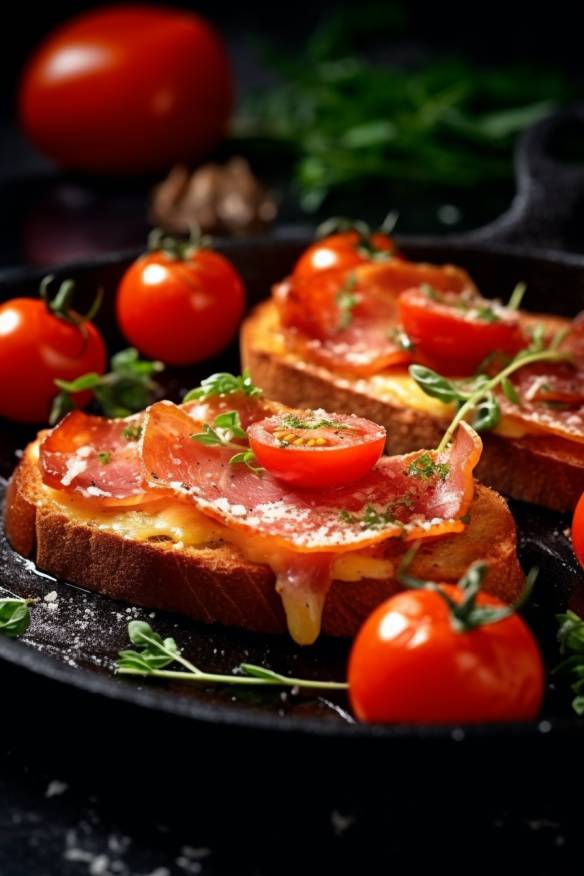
pixel 60 675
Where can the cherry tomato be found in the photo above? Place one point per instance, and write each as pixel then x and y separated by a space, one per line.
pixel 35 348
pixel 578 531
pixel 317 449
pixel 128 89
pixel 409 665
pixel 181 307
pixel 457 332
pixel 340 251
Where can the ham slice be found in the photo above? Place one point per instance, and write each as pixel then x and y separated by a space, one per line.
pixel 394 500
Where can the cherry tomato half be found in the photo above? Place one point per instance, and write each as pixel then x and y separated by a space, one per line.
pixel 128 89
pixel 317 449
pixel 35 348
pixel 341 251
pixel 578 531
pixel 180 309
pixel 409 665
pixel 457 332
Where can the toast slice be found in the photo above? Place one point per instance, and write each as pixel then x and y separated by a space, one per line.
pixel 543 469
pixel 170 557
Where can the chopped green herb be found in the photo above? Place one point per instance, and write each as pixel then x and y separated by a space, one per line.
pixel 347 301
pixel 430 292
pixel 226 427
pixel 292 421
pixel 248 458
pixel 425 467
pixel 104 457
pixel 132 432
pixel 487 314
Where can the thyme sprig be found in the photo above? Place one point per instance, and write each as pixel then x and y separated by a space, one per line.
pixel 224 383
pixel 153 654
pixel 226 427
pixel 477 395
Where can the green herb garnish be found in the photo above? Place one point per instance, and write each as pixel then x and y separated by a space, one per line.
pixel 571 639
pixel 225 428
pixel 292 421
pixel 105 457
pixel 153 654
pixel 14 617
pixel 223 383
pixel 401 339
pixel 347 301
pixel 477 395
pixel 425 467
pixel 127 388
pixel 132 432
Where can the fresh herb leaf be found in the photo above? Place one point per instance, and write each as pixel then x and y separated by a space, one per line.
pixel 153 655
pixel 509 391
pixel 571 639
pixel 14 617
pixel 478 394
pixel 425 467
pixel 347 301
pixel 127 388
pixel 347 517
pixel 104 457
pixel 230 424
pixel 436 385
pixel 487 413
pixel 224 383
pixel 226 427
pixel 248 458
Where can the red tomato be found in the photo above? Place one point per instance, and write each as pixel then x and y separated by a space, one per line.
pixel 578 531
pixel 345 250
pixel 409 665
pixel 35 348
pixel 456 333
pixel 128 89
pixel 317 449
pixel 180 309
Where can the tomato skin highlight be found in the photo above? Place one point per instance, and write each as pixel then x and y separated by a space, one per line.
pixel 180 311
pixel 128 89
pixel 35 348
pixel 443 336
pixel 578 531
pixel 350 452
pixel 409 665
pixel 338 252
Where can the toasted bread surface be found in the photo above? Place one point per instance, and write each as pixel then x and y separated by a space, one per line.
pixel 537 468
pixel 215 581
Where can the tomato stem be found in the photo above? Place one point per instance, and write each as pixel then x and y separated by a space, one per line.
pixel 175 248
pixel 61 304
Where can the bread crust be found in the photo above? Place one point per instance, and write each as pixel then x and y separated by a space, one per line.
pixel 544 470
pixel 215 583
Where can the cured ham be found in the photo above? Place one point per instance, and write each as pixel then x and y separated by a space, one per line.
pixel 413 496
pixel 349 319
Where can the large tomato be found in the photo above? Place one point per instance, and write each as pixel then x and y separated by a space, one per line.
pixel 409 664
pixel 180 303
pixel 37 346
pixel 128 89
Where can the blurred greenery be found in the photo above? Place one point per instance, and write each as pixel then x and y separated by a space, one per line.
pixel 346 119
